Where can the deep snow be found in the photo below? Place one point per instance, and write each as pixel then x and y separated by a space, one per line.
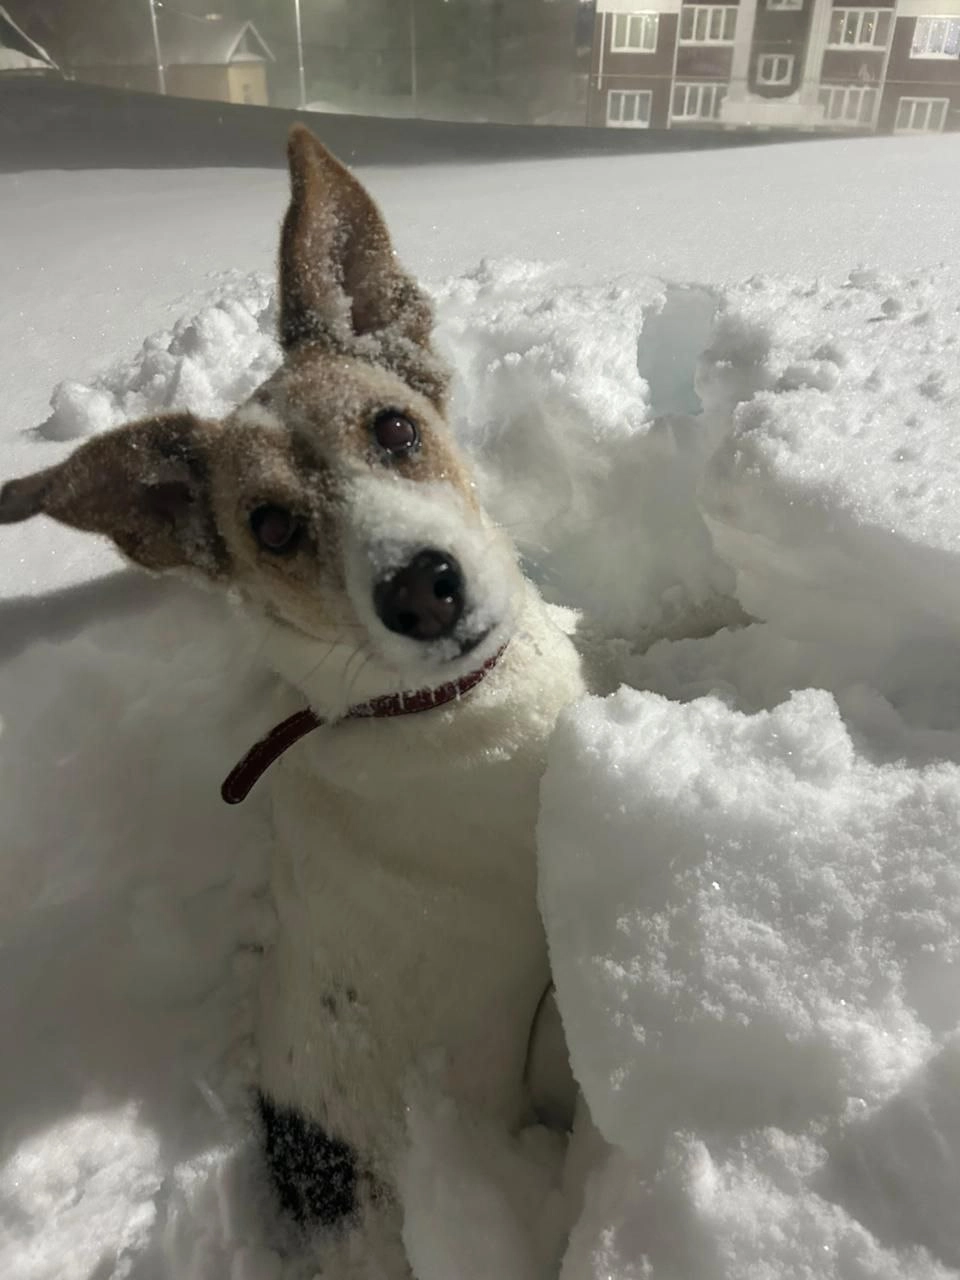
pixel 748 856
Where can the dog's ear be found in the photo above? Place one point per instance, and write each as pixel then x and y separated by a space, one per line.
pixel 146 486
pixel 339 275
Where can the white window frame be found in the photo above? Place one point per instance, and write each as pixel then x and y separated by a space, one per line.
pixel 617 115
pixel 847 105
pixel 708 23
pixel 635 32
pixel 785 5
pixel 928 42
pixel 862 25
pixel 702 99
pixel 768 64
pixel 920 107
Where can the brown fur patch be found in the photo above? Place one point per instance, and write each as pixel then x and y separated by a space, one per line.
pixel 340 283
pixel 331 402
pixel 146 486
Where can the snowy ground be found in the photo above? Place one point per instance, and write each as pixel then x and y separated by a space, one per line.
pixel 749 865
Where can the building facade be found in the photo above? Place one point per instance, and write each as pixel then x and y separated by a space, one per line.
pixel 825 65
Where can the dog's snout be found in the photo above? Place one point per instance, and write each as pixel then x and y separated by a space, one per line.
pixel 424 599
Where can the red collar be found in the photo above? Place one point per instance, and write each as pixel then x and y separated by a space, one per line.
pixel 259 758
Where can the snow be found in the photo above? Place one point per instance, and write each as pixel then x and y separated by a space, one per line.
pixel 723 427
pixel 771 954
pixel 14 60
pixel 114 1160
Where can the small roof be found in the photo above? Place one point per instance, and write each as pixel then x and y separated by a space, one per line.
pixel 18 52
pixel 213 42
pixel 185 41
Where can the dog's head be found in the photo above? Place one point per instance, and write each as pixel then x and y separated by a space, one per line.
pixel 335 500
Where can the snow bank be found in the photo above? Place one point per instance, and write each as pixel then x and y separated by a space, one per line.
pixel 207 362
pixel 114 1161
pixel 755 931
pixel 751 884
pixel 748 858
pixel 840 474
pixel 132 909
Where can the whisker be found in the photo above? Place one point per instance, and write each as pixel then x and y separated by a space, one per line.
pixel 347 684
pixel 308 675
pixel 348 692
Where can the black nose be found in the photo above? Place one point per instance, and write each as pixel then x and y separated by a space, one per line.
pixel 424 599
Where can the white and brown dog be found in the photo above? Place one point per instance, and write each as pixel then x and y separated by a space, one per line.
pixel 337 505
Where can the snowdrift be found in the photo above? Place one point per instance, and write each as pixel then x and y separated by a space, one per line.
pixel 748 848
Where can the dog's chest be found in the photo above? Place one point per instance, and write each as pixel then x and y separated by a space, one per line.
pixel 408 943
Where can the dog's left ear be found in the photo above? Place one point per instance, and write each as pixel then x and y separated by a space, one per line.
pixel 146 486
pixel 339 276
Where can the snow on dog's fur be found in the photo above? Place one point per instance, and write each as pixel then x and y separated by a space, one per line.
pixel 337 507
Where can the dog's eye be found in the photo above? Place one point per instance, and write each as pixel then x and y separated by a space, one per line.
pixel 276 529
pixel 395 434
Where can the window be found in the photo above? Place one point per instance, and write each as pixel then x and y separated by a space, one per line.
pixel 848 104
pixel 921 115
pixel 936 38
pixel 697 101
pixel 635 32
pixel 629 109
pixel 859 29
pixel 785 4
pixel 708 23
pixel 774 68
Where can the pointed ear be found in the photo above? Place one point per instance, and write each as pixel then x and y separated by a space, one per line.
pixel 339 276
pixel 146 486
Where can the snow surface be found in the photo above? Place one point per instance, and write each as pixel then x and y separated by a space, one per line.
pixel 748 853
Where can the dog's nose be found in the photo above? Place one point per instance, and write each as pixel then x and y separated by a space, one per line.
pixel 424 599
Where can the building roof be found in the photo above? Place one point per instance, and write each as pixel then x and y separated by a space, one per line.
pixel 18 52
pixel 214 42
pixel 185 41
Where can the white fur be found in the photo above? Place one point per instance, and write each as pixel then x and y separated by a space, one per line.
pixel 387 521
pixel 390 520
pixel 405 873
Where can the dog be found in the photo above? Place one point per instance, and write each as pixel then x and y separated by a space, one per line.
pixel 337 508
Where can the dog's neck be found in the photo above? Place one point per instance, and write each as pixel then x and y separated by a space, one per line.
pixel 333 677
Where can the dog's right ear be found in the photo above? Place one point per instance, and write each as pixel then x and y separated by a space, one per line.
pixel 146 486
pixel 337 265
pixel 339 276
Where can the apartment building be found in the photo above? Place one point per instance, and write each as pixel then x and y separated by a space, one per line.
pixel 892 66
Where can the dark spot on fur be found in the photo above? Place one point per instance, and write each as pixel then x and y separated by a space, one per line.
pixel 351 994
pixel 329 1003
pixel 313 1173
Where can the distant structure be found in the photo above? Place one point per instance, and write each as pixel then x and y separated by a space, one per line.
pixel 215 58
pixel 814 65
pixel 19 55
